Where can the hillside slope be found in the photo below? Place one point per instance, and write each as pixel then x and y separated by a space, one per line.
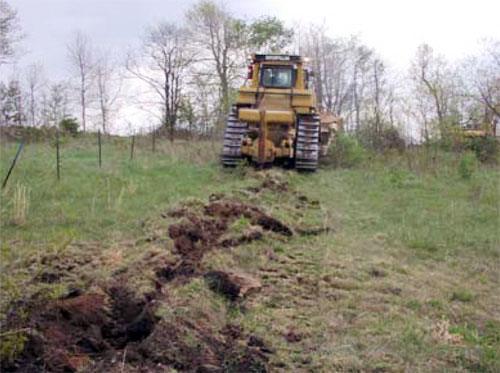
pixel 169 263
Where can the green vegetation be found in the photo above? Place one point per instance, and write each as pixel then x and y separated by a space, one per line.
pixel 406 277
pixel 346 153
pixel 94 204
pixel 69 125
pixel 468 164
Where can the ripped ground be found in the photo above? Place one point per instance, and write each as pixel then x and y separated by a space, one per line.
pixel 174 299
pixel 268 271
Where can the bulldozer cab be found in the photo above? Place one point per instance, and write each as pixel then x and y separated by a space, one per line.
pixel 277 72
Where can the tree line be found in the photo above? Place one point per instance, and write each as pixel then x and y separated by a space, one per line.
pixel 185 76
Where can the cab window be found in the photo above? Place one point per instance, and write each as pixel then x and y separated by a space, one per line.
pixel 278 77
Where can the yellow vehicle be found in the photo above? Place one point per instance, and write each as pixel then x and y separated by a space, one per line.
pixel 275 118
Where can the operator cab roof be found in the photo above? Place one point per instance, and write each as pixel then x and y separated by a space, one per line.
pixel 276 57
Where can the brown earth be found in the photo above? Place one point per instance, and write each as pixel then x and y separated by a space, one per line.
pixel 109 328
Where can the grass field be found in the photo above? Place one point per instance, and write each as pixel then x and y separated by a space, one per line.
pixel 402 277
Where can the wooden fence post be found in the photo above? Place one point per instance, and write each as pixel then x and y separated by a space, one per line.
pixel 58 156
pixel 99 141
pixel 154 140
pixel 132 148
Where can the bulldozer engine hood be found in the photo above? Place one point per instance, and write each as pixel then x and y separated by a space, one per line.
pixel 271 98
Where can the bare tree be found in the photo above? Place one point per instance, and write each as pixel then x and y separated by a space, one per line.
pixel 431 76
pixel 352 81
pixel 108 86
pixel 82 60
pixel 162 64
pixel 361 66
pixel 482 78
pixel 378 83
pixel 220 35
pixel 315 44
pixel 10 32
pixel 202 92
pixel 55 105
pixel 34 81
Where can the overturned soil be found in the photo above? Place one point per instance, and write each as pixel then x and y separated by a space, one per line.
pixel 108 332
pixel 109 328
pixel 197 233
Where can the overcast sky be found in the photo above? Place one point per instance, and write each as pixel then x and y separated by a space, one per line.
pixel 393 27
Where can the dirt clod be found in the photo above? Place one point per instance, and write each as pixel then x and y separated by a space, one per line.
pixel 232 285
pixel 292 336
pixel 232 210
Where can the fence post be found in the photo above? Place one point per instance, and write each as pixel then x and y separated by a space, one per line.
pixel 58 156
pixel 99 142
pixel 154 140
pixel 19 150
pixel 132 148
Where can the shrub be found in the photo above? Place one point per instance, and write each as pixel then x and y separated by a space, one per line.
pixel 69 125
pixel 462 295
pixel 386 139
pixel 30 134
pixel 486 148
pixel 345 152
pixel 467 166
pixel 402 178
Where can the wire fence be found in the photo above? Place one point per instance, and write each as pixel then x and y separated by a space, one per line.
pixel 52 153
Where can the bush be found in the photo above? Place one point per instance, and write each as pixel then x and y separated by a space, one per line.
pixel 30 134
pixel 486 148
pixel 386 139
pixel 467 166
pixel 345 152
pixel 69 125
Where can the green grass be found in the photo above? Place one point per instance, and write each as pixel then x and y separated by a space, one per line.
pixel 412 244
pixel 89 203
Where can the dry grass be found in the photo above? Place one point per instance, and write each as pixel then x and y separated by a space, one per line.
pixel 20 203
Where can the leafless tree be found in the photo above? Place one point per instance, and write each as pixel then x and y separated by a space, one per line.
pixel 220 36
pixel 481 80
pixel 203 94
pixel 431 75
pixel 108 87
pixel 82 60
pixel 378 85
pixel 162 64
pixel 55 105
pixel 315 45
pixel 361 67
pixel 350 79
pixel 10 32
pixel 34 81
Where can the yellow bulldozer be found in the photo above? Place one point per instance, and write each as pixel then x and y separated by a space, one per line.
pixel 275 118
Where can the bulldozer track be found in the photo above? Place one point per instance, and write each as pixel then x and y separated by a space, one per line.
pixel 235 130
pixel 307 143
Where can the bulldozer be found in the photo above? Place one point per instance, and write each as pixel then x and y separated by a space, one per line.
pixel 276 119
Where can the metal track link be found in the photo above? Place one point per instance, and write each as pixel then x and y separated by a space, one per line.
pixel 233 135
pixel 307 143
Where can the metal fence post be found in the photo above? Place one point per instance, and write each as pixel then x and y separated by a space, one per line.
pixel 19 150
